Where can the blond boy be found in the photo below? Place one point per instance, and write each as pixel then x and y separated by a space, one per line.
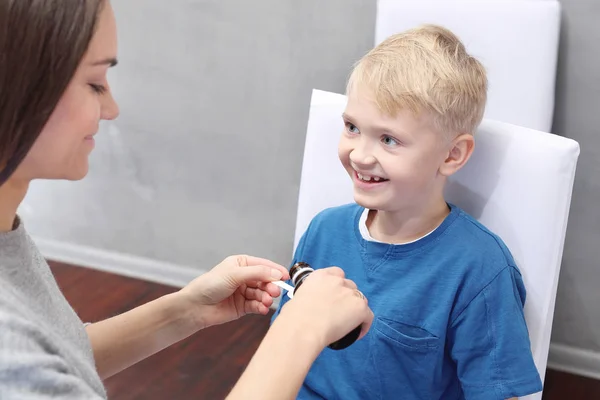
pixel 447 296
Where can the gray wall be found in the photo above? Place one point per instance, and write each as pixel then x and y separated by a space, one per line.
pixel 205 158
pixel 577 115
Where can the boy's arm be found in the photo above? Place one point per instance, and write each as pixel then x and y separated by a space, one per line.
pixel 489 342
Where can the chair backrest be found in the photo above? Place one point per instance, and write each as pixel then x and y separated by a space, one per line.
pixel 516 40
pixel 518 183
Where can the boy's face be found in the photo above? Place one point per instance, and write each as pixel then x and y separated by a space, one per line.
pixel 394 162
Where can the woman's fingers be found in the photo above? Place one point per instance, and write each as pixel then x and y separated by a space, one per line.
pixel 366 325
pixel 337 271
pixel 350 284
pixel 255 307
pixel 330 303
pixel 258 295
pixel 252 275
pixel 249 261
pixel 273 290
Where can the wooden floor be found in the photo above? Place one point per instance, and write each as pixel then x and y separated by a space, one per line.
pixel 206 365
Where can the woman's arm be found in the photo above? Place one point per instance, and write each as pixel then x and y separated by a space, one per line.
pixel 126 339
pixel 236 287
pixel 280 364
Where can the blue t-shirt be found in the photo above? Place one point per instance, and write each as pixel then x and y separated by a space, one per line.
pixel 449 320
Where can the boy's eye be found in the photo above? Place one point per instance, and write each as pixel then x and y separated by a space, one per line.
pixel 99 89
pixel 351 128
pixel 389 141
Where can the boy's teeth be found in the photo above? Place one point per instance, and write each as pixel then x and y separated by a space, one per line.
pixel 367 178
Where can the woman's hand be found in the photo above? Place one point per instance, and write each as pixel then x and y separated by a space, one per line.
pixel 324 310
pixel 238 286
pixel 329 306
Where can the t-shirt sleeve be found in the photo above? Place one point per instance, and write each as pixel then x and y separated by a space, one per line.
pixel 29 369
pixel 489 342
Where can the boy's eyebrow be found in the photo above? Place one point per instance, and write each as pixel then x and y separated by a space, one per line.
pixel 349 118
pixel 380 129
pixel 387 131
pixel 110 61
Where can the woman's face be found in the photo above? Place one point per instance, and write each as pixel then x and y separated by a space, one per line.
pixel 64 145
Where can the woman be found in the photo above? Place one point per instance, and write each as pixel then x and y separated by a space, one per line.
pixel 54 57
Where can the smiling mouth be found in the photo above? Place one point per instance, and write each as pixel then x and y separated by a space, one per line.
pixel 369 178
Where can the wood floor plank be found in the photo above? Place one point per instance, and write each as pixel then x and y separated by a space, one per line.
pixel 206 365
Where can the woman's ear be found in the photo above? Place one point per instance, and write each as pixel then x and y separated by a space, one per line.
pixel 461 149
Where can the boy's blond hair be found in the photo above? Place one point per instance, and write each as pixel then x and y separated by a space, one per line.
pixel 425 70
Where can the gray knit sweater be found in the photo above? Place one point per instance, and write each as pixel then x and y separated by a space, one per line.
pixel 45 352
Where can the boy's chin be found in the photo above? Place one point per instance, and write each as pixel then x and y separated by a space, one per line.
pixel 367 203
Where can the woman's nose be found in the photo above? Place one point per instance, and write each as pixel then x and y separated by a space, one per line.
pixel 110 108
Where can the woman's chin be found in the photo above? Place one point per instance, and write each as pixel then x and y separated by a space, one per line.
pixel 77 176
pixel 74 174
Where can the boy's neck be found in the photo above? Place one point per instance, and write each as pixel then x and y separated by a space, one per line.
pixel 407 225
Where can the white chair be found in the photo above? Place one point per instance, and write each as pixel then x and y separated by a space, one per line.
pixel 516 40
pixel 518 183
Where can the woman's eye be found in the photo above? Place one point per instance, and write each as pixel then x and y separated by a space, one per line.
pixel 351 128
pixel 99 89
pixel 389 141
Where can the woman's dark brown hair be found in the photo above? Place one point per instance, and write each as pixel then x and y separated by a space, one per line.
pixel 41 45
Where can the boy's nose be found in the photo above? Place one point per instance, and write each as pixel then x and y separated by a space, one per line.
pixel 361 158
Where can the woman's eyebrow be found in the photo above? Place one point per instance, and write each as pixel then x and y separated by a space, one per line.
pixel 111 62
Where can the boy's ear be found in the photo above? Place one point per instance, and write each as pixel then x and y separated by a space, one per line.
pixel 461 149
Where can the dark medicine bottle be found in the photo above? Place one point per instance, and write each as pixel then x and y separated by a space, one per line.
pixel 298 273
